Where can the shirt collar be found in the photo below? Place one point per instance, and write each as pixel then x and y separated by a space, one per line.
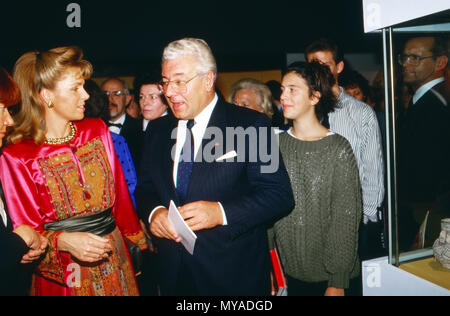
pixel 121 120
pixel 425 88
pixel 3 217
pixel 145 124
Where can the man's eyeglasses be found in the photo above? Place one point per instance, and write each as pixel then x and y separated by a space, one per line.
pixel 179 85
pixel 411 59
pixel 115 93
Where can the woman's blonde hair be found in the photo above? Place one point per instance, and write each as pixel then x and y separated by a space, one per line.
pixel 33 72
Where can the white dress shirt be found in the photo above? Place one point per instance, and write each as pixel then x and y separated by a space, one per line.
pixel 428 86
pixel 3 212
pixel 115 129
pixel 198 131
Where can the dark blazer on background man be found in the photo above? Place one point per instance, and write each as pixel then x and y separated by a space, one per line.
pixel 424 147
pixel 12 248
pixel 231 259
pixel 134 136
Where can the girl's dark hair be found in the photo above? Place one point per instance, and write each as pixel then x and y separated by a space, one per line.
pixel 318 78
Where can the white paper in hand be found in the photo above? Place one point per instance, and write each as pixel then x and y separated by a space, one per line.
pixel 188 237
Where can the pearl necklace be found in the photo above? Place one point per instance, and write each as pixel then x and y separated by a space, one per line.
pixel 62 140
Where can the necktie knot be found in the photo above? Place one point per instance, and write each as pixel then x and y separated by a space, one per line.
pixel 190 124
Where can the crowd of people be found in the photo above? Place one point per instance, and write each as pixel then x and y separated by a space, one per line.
pixel 88 173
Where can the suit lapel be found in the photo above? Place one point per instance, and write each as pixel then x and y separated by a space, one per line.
pixel 219 122
pixel 167 160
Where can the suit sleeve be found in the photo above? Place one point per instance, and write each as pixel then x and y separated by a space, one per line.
pixel 13 248
pixel 270 196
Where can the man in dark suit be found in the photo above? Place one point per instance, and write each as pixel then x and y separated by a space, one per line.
pixel 121 123
pixel 424 136
pixel 228 196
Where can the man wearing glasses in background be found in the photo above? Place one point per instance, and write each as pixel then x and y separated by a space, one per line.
pixel 120 123
pixel 424 137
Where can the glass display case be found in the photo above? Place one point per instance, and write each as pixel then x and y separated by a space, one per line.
pixel 417 143
pixel 415 208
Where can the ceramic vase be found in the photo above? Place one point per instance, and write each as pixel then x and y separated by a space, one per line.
pixel 441 246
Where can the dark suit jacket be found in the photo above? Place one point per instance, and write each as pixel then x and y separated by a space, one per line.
pixel 134 136
pixel 12 250
pixel 227 260
pixel 424 148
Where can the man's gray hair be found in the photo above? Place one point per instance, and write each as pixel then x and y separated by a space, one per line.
pixel 126 87
pixel 195 47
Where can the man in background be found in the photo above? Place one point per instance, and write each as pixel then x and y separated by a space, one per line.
pixel 121 123
pixel 424 138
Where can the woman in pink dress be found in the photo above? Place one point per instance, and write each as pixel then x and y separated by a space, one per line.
pixel 65 181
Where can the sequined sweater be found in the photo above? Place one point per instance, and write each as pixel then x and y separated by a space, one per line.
pixel 318 241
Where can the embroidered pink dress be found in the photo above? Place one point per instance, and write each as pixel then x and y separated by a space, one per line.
pixel 51 183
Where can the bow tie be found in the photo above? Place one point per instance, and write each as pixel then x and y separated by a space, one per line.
pixel 115 125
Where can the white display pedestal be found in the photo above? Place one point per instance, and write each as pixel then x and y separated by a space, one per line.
pixel 382 279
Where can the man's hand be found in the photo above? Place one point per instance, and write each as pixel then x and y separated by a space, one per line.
pixel 162 227
pixel 332 291
pixel 202 215
pixel 34 241
pixel 35 254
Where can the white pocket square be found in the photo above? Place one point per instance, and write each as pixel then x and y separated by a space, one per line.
pixel 229 155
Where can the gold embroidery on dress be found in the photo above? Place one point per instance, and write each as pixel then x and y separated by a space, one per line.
pixel 74 193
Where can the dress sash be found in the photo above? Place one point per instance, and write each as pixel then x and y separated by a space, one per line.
pixel 99 224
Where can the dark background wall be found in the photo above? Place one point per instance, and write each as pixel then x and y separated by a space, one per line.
pixel 124 37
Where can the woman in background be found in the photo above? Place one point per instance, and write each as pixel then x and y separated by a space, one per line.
pixel 65 181
pixel 252 94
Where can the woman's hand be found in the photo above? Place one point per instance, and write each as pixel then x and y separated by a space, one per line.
pixel 85 247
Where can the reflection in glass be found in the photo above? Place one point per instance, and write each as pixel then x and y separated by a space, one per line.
pixel 423 135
